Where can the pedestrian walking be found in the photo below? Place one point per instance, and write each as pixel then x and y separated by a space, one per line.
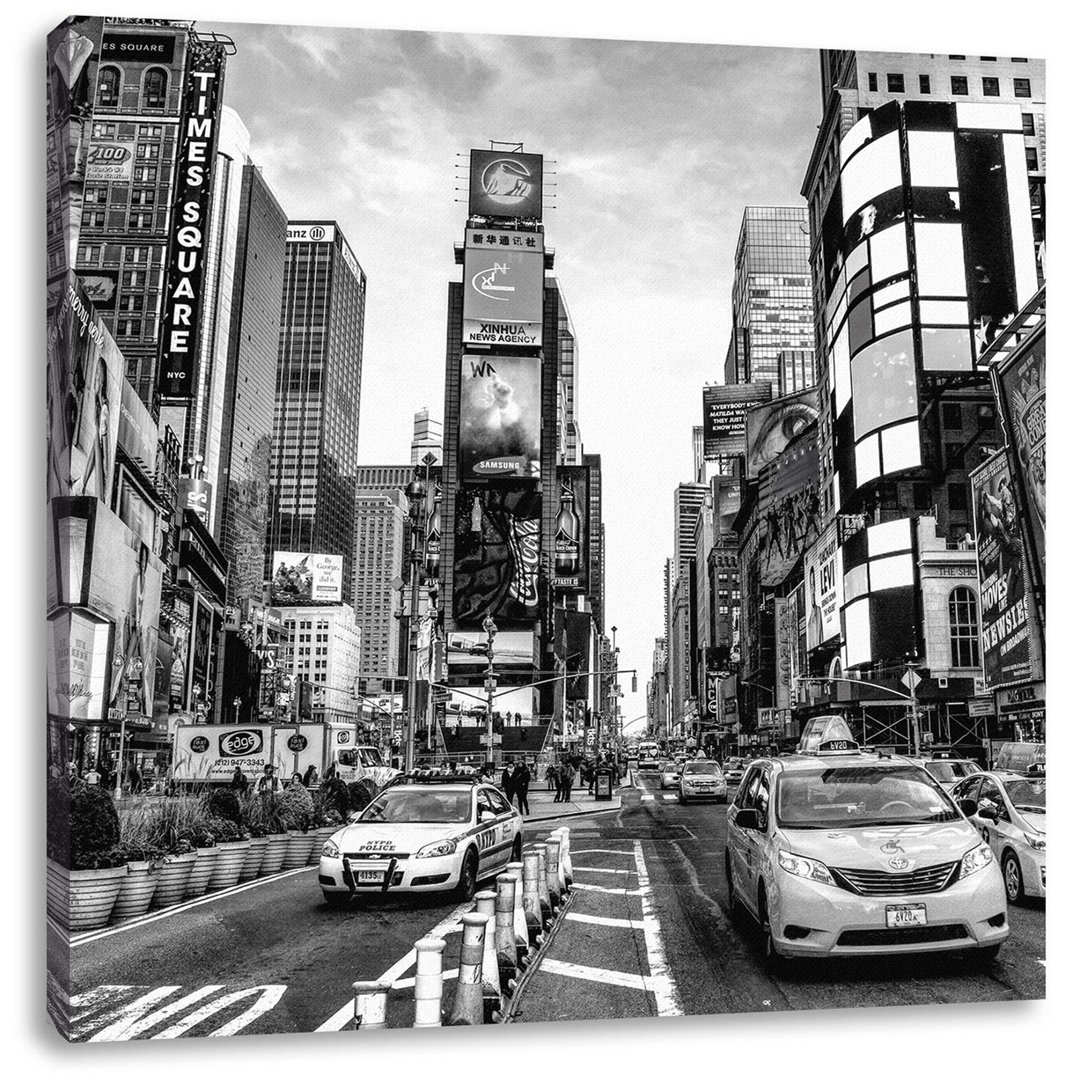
pixel 520 779
pixel 567 780
pixel 311 777
pixel 239 782
pixel 92 776
pixel 507 782
pixel 268 782
pixel 134 779
pixel 550 774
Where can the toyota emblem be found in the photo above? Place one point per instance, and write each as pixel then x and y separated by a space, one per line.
pixel 898 862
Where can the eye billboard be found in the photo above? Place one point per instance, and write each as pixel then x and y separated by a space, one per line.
pixel 506 185
pixel 773 427
pixel 500 417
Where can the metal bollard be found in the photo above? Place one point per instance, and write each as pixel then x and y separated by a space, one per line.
pixel 468 1007
pixel 429 982
pixel 544 889
pixel 560 874
pixel 505 943
pixel 568 869
pixel 521 927
pixel 530 894
pixel 491 976
pixel 551 849
pixel 369 1004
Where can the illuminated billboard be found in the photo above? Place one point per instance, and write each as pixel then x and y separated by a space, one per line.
pixel 771 428
pixel 789 505
pixel 725 410
pixel 571 539
pixel 823 595
pixel 511 648
pixel 500 417
pixel 305 578
pixel 506 185
pixel 503 297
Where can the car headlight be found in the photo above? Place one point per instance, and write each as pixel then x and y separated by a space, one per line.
pixel 331 850
pixel 805 868
pixel 440 847
pixel 1036 840
pixel 976 859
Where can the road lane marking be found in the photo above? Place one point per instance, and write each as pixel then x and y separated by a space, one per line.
pixel 176 909
pixel 599 975
pixel 648 798
pixel 343 1017
pixel 603 851
pixel 601 869
pixel 268 997
pixel 669 797
pixel 410 981
pixel 667 997
pixel 604 889
pixel 603 920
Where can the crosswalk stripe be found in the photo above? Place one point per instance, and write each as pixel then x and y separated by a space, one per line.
pixel 670 798
pixel 648 798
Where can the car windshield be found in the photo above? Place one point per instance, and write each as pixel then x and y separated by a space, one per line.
pixel 370 757
pixel 708 767
pixel 1027 795
pixel 948 771
pixel 856 797
pixel 420 807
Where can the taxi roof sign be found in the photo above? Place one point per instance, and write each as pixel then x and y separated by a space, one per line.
pixel 827 735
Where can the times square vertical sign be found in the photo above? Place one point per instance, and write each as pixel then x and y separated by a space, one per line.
pixel 188 241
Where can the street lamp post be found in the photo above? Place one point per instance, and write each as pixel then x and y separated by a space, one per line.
pixel 415 493
pixel 489 688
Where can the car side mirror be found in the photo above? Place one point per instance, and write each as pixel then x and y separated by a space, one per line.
pixel 968 807
pixel 487 815
pixel 988 815
pixel 748 819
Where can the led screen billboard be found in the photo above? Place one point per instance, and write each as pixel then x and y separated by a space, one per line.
pixel 511 648
pixel 301 577
pixel 725 410
pixel 506 185
pixel 823 596
pixel 772 427
pixel 503 294
pixel 499 432
pixel 788 502
pixel 571 540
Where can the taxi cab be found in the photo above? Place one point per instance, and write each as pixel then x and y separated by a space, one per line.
pixel 1010 815
pixel 837 852
pixel 422 834
pixel 948 771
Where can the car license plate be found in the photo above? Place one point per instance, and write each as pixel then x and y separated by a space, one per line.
pixel 369 875
pixel 899 915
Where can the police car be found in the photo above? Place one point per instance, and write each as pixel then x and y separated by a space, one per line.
pixel 422 834
pixel 836 852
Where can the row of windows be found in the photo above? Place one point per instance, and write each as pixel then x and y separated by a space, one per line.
pixel 991 85
pixel 155 87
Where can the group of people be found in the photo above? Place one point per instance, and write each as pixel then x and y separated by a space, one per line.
pixel 515 784
pixel 561 779
pixel 268 782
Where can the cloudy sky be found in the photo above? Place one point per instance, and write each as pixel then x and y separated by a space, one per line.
pixel 655 150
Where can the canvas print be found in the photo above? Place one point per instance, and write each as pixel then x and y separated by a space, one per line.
pixel 538 529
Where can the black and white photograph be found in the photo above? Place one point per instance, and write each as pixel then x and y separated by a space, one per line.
pixel 543 529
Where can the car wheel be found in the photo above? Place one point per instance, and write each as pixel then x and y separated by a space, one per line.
pixel 1014 878
pixel 983 959
pixel 336 899
pixel 682 799
pixel 773 960
pixel 732 899
pixel 466 885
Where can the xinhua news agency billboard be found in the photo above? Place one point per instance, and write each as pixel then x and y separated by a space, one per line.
pixel 301 577
pixel 503 287
pixel 509 185
pixel 725 410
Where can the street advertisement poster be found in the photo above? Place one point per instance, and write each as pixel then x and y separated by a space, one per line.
pixel 725 409
pixel 185 269
pixel 823 582
pixel 100 286
pixel 503 293
pixel 506 185
pixel 573 649
pixel 301 577
pixel 467 705
pixel 1021 383
pixel 78 666
pixel 500 417
pixel 497 556
pixel 784 631
pixel 1003 599
pixel 789 505
pixel 137 434
pixel 110 161
pixel 727 498
pixel 511 648
pixel 771 428
pixel 571 539
pixel 83 376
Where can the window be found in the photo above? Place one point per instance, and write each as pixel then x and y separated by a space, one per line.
pixel 871 80
pixel 958 497
pixel 1029 123
pixel 894 84
pixel 921 496
pixel 155 83
pixel 1019 59
pixel 964 626
pixel 986 417
pixel 1032 155
pixel 109 87
pixel 991 88
pixel 1022 87
pixel 761 796
pixel 959 84
pixel 954 455
pixel 957 56
pixel 924 84
pixel 952 415
pixel 987 57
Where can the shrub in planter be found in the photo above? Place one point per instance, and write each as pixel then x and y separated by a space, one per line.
pixel 139 884
pixel 361 792
pixel 298 808
pixel 232 843
pixel 263 816
pixel 334 794
pixel 223 803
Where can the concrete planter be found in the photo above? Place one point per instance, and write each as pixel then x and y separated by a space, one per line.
pixel 206 860
pixel 253 859
pixel 275 853
pixel 297 849
pixel 82 899
pixel 136 891
pixel 322 834
pixel 230 862
pixel 172 879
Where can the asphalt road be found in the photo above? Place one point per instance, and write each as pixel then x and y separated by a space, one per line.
pixel 601 964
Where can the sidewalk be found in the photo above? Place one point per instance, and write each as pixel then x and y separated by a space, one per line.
pixel 542 804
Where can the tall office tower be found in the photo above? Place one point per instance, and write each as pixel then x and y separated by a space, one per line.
pixel 688 501
pixel 427 438
pixel 382 533
pixel 143 93
pixel 597 538
pixel 317 400
pixel 322 647
pixel 383 478
pixel 771 309
pixel 567 358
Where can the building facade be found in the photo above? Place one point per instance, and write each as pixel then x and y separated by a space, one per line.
pixel 322 647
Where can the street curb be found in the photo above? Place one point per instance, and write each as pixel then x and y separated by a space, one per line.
pixel 508 1015
pixel 573 813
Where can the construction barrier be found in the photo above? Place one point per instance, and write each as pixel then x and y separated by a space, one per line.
pixel 556 841
pixel 468 1007
pixel 490 973
pixel 429 982
pixel 369 1004
pixel 551 852
pixel 568 870
pixel 546 908
pixel 530 894
pixel 505 942
pixel 521 928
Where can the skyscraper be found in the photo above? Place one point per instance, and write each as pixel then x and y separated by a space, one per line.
pixel 427 438
pixel 771 309
pixel 317 404
pixel 688 501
